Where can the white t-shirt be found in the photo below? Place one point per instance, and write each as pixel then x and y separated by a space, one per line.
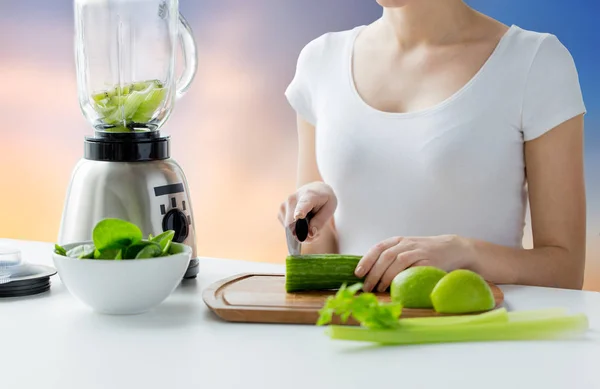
pixel 454 168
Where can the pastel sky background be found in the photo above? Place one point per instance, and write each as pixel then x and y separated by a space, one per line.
pixel 233 132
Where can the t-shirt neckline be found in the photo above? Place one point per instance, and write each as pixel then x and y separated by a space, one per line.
pixel 436 107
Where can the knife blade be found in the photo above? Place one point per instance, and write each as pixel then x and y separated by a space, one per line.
pixel 294 246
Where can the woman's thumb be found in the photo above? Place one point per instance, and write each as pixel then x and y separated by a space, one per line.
pixel 322 216
pixel 303 207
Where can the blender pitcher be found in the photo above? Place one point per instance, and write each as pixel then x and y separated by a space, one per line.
pixel 125 62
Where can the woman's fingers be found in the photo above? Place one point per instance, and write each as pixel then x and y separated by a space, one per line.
pixel 305 204
pixel 290 206
pixel 368 260
pixel 320 204
pixel 322 213
pixel 315 198
pixel 385 260
pixel 382 256
pixel 403 261
pixel 310 200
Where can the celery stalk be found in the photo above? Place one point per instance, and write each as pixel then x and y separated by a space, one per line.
pixel 546 313
pixel 533 329
pixel 496 316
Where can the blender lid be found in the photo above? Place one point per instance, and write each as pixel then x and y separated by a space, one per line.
pixel 10 259
pixel 19 278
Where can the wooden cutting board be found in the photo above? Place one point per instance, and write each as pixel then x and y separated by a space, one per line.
pixel 261 298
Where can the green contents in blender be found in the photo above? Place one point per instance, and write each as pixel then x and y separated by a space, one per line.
pixel 125 106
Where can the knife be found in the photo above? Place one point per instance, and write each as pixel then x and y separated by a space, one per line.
pixel 294 243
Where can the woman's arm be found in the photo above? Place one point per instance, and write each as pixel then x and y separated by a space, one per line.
pixel 308 172
pixel 554 165
pixel 555 174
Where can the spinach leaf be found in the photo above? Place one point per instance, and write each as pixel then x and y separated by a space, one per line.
pixel 60 250
pixel 84 251
pixel 115 233
pixel 109 254
pixel 119 239
pixel 150 251
pixel 164 240
pixel 135 248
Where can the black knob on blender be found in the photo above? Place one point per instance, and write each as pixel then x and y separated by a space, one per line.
pixel 177 221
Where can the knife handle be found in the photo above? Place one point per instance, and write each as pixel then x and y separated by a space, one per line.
pixel 302 227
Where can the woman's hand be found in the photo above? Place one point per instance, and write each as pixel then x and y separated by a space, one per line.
pixel 318 199
pixel 388 258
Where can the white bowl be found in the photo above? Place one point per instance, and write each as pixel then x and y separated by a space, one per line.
pixel 123 287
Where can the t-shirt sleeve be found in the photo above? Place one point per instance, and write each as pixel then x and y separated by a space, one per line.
pixel 552 90
pixel 300 91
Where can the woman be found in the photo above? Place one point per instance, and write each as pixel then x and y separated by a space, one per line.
pixel 423 134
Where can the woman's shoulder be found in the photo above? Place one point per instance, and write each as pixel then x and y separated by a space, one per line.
pixel 537 43
pixel 327 45
pixel 318 61
pixel 551 92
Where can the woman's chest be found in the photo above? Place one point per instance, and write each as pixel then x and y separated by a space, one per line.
pixel 416 80
pixel 440 150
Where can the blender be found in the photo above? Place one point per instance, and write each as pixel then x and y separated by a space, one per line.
pixel 125 53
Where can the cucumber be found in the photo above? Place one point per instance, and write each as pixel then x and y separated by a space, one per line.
pixel 319 271
pixel 136 102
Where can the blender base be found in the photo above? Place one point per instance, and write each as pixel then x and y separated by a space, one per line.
pixel 193 269
pixel 151 193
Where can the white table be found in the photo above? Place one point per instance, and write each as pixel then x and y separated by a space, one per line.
pixel 52 341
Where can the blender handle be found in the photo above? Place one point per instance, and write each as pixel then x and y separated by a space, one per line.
pixel 190 56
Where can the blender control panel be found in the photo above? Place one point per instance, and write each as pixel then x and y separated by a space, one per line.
pixel 174 210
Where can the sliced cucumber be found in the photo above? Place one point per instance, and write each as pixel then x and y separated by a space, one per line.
pixel 136 102
pixel 319 271
pixel 154 99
